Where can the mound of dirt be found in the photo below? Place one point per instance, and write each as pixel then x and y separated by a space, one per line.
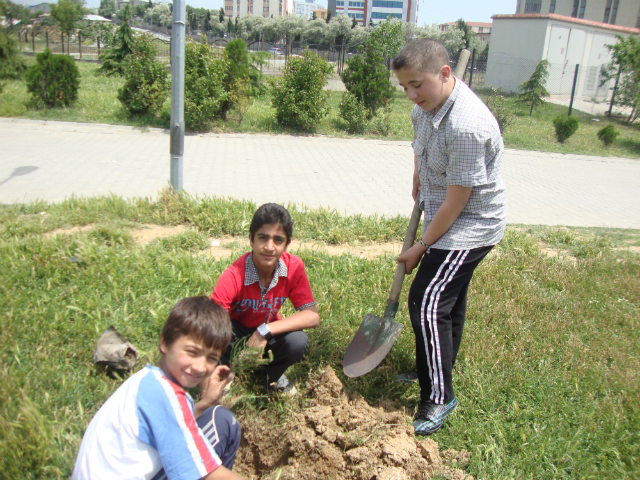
pixel 337 437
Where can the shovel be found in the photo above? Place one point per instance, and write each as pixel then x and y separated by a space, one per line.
pixel 376 335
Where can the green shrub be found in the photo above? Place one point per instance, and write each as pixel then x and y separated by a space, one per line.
pixel 565 127
pixel 123 41
pixel 608 135
pixel 204 89
pixel 353 112
pixel 147 80
pixel 496 104
pixel 242 79
pixel 367 77
pixel 53 80
pixel 298 96
pixel 11 64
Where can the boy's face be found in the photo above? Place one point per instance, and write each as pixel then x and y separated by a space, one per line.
pixel 268 244
pixel 187 361
pixel 427 90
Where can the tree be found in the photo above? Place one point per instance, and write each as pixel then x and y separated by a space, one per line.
pixel 159 15
pixel 147 80
pixel 238 71
pixel 221 15
pixel 354 23
pixel 122 46
pixel 533 91
pixel 387 37
pixel 53 80
pixel 328 15
pixel 314 16
pixel 298 97
pixel 11 63
pixel 367 77
pixel 67 14
pixel 204 90
pixel 107 8
pixel 467 33
pixel 625 63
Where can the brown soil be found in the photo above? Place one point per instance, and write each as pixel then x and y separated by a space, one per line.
pixel 340 437
pixel 149 232
pixel 221 249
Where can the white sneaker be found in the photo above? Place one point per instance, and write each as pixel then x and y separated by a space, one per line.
pixel 284 386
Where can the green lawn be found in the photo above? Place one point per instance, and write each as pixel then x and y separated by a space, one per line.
pixel 547 375
pixel 97 103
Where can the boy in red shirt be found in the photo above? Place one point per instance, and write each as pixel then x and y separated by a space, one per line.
pixel 254 288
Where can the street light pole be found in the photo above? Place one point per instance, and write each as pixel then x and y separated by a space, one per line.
pixel 177 94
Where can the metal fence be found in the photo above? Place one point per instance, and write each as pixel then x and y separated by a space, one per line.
pixel 77 46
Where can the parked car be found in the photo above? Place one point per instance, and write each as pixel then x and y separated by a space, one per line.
pixel 275 51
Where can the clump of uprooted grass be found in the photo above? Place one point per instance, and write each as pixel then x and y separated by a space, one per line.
pixel 547 376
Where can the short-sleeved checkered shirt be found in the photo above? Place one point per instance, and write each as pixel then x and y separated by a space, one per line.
pixel 462 145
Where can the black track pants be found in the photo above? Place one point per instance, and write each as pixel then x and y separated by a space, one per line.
pixel 437 308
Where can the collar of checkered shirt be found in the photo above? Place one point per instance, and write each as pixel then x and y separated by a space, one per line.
pixel 251 274
pixel 437 118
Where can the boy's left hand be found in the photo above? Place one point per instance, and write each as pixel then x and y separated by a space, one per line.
pixel 211 388
pixel 256 341
pixel 411 257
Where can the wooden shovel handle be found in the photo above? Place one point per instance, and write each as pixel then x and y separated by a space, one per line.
pixel 409 239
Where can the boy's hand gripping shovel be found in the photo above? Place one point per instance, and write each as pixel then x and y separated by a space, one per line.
pixel 376 335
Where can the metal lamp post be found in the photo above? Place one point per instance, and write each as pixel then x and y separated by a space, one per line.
pixel 177 94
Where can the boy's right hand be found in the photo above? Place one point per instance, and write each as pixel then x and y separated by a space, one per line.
pixel 416 186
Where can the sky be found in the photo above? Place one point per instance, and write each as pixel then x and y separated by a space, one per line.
pixel 429 11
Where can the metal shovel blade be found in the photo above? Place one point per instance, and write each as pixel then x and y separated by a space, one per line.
pixel 370 345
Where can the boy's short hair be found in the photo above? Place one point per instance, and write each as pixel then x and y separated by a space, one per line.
pixel 201 319
pixel 272 213
pixel 423 54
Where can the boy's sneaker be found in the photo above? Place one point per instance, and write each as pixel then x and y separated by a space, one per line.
pixel 284 387
pixel 431 417
pixel 407 377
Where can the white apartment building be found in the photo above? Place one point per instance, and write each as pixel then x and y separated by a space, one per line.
pixel 305 8
pixel 374 11
pixel 266 8
pixel 481 29
pixel 624 13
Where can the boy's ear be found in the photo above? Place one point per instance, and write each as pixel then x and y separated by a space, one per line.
pixel 445 73
pixel 163 345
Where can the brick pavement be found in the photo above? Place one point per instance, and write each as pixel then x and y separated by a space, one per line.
pixel 353 176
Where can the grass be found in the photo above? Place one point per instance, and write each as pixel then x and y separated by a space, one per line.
pixel 97 103
pixel 537 132
pixel 547 375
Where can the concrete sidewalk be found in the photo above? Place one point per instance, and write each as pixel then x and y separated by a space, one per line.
pixel 54 160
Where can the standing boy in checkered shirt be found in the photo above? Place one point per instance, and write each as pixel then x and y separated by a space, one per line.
pixel 458 155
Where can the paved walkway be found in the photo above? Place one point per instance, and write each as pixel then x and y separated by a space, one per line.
pixel 54 160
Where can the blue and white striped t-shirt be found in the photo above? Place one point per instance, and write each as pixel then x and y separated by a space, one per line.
pixel 145 426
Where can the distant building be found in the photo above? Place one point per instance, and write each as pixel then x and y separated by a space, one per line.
pixel 321 13
pixel 121 3
pixel 481 29
pixel 520 41
pixel 365 11
pixel 305 9
pixel 41 7
pixel 265 8
pixel 625 13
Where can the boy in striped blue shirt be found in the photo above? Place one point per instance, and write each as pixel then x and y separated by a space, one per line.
pixel 150 427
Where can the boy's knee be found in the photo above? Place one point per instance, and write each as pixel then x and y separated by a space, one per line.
pixel 227 425
pixel 296 344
